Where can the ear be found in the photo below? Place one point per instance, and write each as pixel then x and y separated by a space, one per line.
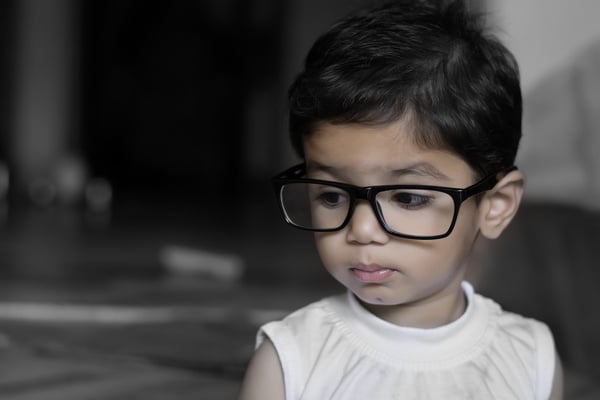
pixel 500 204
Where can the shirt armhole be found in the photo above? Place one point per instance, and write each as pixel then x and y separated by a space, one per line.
pixel 546 360
pixel 287 352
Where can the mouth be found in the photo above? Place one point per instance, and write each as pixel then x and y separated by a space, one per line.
pixel 371 273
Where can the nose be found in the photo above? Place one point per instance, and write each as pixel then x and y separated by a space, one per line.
pixel 364 227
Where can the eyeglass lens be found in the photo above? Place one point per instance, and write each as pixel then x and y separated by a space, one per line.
pixel 413 212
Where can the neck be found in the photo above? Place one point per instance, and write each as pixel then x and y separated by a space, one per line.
pixel 430 312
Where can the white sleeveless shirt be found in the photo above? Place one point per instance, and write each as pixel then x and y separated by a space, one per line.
pixel 336 349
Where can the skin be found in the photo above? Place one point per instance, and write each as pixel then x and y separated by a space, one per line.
pixel 421 285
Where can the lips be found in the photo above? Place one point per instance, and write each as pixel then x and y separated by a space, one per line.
pixel 371 273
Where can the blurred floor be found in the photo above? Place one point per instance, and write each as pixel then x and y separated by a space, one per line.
pixel 91 309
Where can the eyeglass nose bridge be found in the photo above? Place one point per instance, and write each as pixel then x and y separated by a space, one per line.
pixel 367 194
pixel 364 193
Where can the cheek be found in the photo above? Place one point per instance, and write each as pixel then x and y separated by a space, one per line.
pixel 329 246
pixel 467 224
pixel 457 247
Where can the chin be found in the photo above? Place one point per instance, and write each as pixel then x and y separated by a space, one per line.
pixel 375 296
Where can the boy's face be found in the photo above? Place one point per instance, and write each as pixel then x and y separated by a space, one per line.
pixel 381 269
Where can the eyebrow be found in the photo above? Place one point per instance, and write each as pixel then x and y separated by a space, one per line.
pixel 422 169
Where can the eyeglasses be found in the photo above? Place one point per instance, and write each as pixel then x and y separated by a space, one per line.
pixel 410 211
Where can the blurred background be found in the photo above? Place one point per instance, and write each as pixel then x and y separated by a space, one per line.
pixel 139 238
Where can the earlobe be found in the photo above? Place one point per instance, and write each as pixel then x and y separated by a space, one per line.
pixel 500 204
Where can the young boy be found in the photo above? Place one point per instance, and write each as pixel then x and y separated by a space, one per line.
pixel 408 119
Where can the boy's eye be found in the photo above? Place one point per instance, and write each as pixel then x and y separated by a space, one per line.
pixel 410 200
pixel 331 199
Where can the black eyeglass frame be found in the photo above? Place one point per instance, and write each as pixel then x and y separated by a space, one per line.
pixel 295 175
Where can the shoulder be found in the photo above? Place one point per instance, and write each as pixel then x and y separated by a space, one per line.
pixel 277 359
pixel 526 341
pixel 516 327
pixel 297 340
pixel 305 322
pixel 264 377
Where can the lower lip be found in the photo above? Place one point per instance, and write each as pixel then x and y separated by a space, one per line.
pixel 375 276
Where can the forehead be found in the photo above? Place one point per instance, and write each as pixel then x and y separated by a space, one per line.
pixel 380 152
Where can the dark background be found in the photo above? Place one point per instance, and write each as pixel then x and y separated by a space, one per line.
pixel 165 91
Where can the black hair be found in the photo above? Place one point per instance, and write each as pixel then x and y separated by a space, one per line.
pixel 431 61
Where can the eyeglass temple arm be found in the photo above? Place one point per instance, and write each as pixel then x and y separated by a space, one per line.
pixel 297 171
pixel 487 183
